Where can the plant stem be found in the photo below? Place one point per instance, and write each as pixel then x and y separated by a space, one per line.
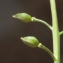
pixel 55 32
pixel 41 21
pixel 61 33
pixel 46 49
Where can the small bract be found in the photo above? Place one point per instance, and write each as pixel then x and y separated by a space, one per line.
pixel 23 16
pixel 30 41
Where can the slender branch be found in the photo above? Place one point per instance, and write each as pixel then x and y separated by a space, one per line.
pixel 61 33
pixel 55 32
pixel 41 21
pixel 46 49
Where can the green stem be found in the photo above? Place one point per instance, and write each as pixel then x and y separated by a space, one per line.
pixel 46 49
pixel 61 33
pixel 55 32
pixel 41 21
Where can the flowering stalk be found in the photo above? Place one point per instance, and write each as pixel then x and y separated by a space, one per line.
pixel 61 33
pixel 47 50
pixel 55 32
pixel 41 21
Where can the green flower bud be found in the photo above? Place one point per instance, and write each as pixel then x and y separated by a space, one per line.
pixel 23 16
pixel 30 41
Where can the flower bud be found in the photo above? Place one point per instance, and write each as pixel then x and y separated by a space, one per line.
pixel 23 16
pixel 30 41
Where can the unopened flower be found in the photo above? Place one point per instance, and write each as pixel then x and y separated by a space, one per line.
pixel 30 41
pixel 23 16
